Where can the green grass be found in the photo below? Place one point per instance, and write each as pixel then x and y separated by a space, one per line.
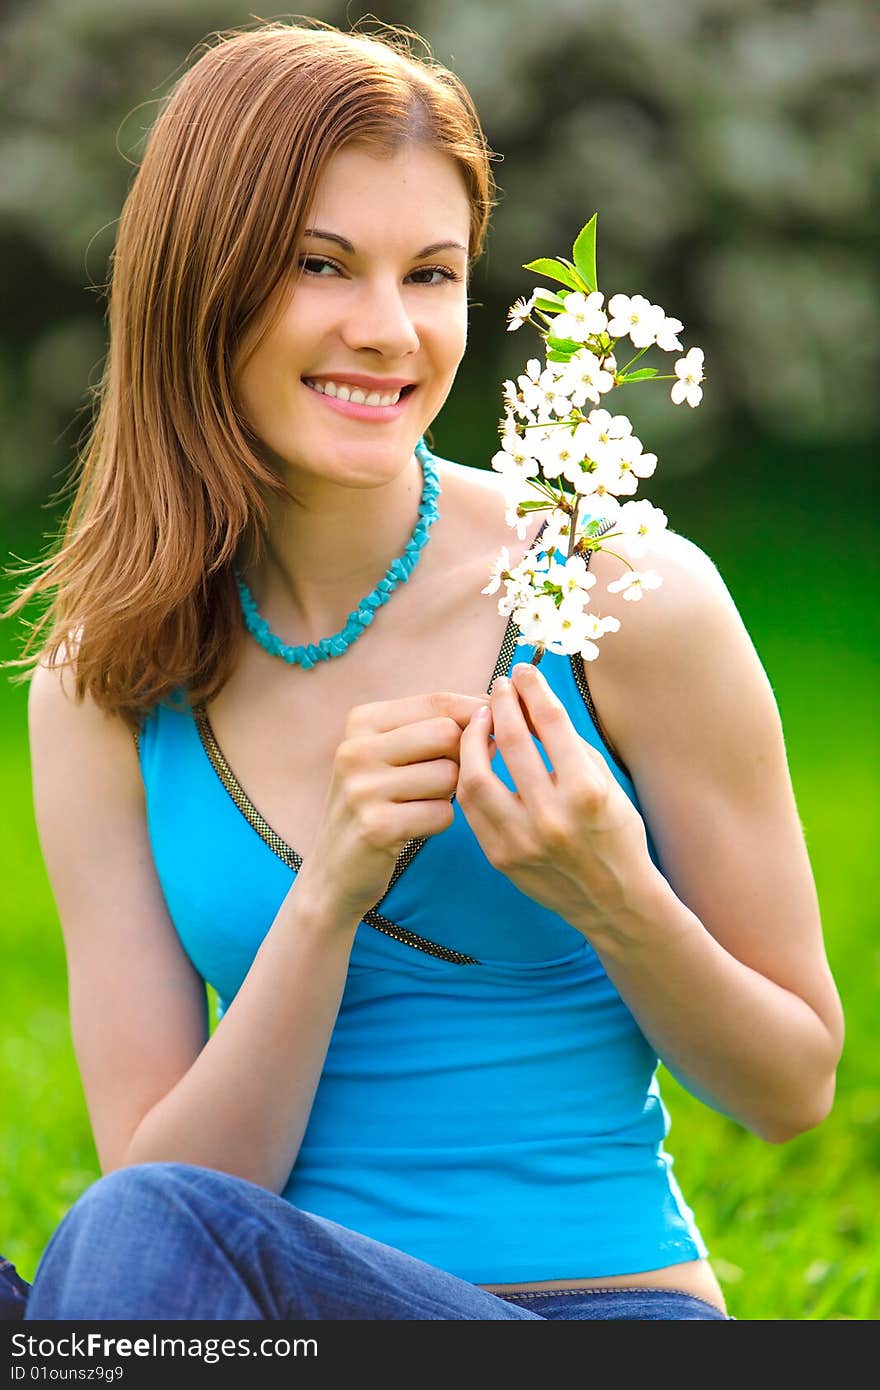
pixel 788 1226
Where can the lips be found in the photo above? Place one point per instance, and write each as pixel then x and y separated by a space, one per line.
pixel 359 410
pixel 361 394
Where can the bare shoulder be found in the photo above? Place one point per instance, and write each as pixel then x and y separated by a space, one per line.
pixel 54 711
pixel 691 617
pixel 125 963
pixel 693 711
pixel 681 657
pixel 475 505
pixel 691 581
pixel 476 508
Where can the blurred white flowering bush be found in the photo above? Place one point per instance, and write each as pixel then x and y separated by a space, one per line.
pixel 731 147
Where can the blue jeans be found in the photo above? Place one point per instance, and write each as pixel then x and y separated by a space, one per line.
pixel 160 1241
pixel 13 1292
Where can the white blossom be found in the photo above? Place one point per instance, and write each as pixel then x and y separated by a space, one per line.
pixel 514 452
pixel 536 619
pixel 497 568
pixel 667 339
pixel 553 457
pixel 557 531
pixel 602 433
pixel 544 391
pixel 528 381
pixel 519 312
pixel 599 489
pixel 524 492
pixel 572 577
pixel 511 397
pixel 637 317
pixel 577 632
pixel 640 522
pixel 634 584
pixel 537 384
pixel 560 456
pixel 574 628
pixel 689 371
pixel 581 318
pixel 584 379
pixel 633 463
pixel 595 627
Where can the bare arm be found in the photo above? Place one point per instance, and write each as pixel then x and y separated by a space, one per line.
pixel 721 958
pixel 244 1104
pixel 157 1087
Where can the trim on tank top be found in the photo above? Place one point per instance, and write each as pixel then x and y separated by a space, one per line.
pixel 508 646
pixel 293 860
pixel 576 662
pixel 289 856
pixel 580 679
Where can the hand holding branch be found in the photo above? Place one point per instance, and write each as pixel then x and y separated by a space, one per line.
pixel 569 838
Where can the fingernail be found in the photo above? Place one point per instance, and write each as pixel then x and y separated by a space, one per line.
pixel 482 712
pixel 502 683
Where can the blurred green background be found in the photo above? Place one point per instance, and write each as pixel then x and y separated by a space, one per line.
pixel 731 150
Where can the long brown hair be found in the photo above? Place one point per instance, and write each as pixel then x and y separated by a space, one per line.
pixel 170 488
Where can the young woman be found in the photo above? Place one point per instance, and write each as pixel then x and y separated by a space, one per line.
pixel 447 963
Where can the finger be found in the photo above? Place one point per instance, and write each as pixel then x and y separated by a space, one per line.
pixel 380 716
pixel 521 755
pixel 429 740
pixel 549 716
pixel 488 803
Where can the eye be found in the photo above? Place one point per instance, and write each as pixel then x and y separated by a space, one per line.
pixel 320 260
pixel 438 270
pixel 309 264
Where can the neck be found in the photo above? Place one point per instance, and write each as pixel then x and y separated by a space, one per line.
pixel 324 553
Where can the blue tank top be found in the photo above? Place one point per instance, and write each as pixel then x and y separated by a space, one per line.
pixel 488 1102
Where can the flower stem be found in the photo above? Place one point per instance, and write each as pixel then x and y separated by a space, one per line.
pixel 618 557
pixel 543 424
pixel 572 535
pixel 544 486
pixel 641 353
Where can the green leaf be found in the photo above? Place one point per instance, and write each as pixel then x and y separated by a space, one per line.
pixel 554 270
pixel 641 375
pixel 563 344
pixel 582 285
pixel 546 299
pixel 584 252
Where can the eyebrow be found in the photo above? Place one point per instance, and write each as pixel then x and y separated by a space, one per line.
pixel 347 246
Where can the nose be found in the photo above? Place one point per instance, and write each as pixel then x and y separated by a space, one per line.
pixel 378 318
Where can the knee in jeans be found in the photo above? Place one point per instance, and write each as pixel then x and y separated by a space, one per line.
pixel 138 1191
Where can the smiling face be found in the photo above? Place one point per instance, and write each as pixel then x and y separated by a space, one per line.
pixel 389 306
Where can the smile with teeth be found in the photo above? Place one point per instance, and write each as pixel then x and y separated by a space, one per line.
pixel 355 394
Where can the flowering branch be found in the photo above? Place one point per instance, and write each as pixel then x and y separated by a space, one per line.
pixel 548 440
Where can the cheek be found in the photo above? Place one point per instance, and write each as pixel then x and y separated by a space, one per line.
pixel 261 386
pixel 454 335
pixel 250 387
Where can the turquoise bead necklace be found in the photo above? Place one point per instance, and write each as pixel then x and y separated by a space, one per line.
pixel 360 618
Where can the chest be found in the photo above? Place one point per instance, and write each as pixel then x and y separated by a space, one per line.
pixel 279 726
